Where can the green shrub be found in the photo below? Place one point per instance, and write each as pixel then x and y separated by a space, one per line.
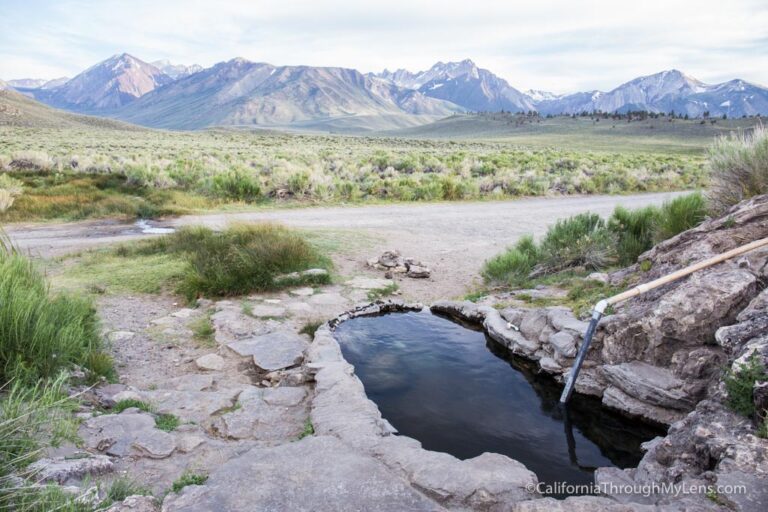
pixel 740 383
pixel 680 214
pixel 236 184
pixel 582 240
pixel 311 327
pixel 242 259
pixel 188 479
pixel 634 230
pixel 514 265
pixel 738 167
pixel 41 333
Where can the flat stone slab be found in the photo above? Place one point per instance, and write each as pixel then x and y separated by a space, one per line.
pixel 368 283
pixel 273 351
pixel 127 433
pixel 61 469
pixel 197 406
pixel 267 310
pixel 267 414
pixel 316 474
pixel 302 292
pixel 651 384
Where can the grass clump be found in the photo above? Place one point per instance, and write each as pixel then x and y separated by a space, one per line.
pixel 384 291
pixel 42 333
pixel 680 214
pixel 188 479
pixel 738 168
pixel 309 429
pixel 203 330
pixel 515 264
pixel 129 403
pixel 579 241
pixel 311 327
pixel 242 259
pixel 740 383
pixel 167 422
pixel 121 488
pixel 634 231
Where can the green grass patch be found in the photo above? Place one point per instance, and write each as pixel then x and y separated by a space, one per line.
pixel 117 272
pixel 384 291
pixel 42 333
pixel 514 265
pixel 127 404
pixel 120 488
pixel 188 479
pixel 167 422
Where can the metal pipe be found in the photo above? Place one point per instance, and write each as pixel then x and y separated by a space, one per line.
pixel 601 306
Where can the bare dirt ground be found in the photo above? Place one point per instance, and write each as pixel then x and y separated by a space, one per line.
pixel 453 238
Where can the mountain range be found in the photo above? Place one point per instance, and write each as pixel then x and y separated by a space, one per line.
pixel 239 92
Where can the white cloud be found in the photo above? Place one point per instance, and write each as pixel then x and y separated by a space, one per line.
pixel 557 45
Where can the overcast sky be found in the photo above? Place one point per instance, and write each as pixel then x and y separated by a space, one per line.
pixel 561 46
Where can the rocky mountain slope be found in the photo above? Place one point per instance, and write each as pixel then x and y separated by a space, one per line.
pixel 464 84
pixel 667 91
pixel 240 92
pixel 176 71
pixel 108 85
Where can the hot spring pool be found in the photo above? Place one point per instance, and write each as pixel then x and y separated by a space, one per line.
pixel 459 392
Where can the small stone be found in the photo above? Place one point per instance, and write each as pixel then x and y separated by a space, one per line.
pixel 183 313
pixel 549 365
pixel 564 342
pixel 418 272
pixel 210 362
pixel 389 275
pixel 599 276
pixel 126 395
pixel 118 336
pixel 136 503
pixel 390 259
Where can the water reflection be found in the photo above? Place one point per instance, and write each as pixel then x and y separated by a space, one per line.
pixel 459 392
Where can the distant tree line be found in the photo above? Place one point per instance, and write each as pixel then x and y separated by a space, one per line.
pixel 532 116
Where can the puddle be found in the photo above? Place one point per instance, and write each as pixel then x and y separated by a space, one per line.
pixel 457 391
pixel 148 228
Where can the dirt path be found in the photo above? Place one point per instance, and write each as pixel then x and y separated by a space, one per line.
pixel 454 238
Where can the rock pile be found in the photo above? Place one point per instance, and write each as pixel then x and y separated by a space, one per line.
pixel 393 263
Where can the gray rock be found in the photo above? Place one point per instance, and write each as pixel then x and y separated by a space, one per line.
pixel 498 330
pixel 135 503
pixel 564 343
pixel 183 313
pixel 273 351
pixel 562 318
pixel 189 382
pixel 302 292
pixel 418 272
pixel 614 398
pixel 533 323
pixel 266 414
pixel 390 259
pixel 267 311
pixel 197 406
pixel 118 336
pixel 316 474
pixel 549 365
pixel 125 395
pixel 210 362
pixel 657 386
pixel 127 433
pixel 61 469
pixel 580 504
pixel 466 310
pixel 230 323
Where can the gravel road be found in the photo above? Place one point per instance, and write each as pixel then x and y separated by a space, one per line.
pixel 454 238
